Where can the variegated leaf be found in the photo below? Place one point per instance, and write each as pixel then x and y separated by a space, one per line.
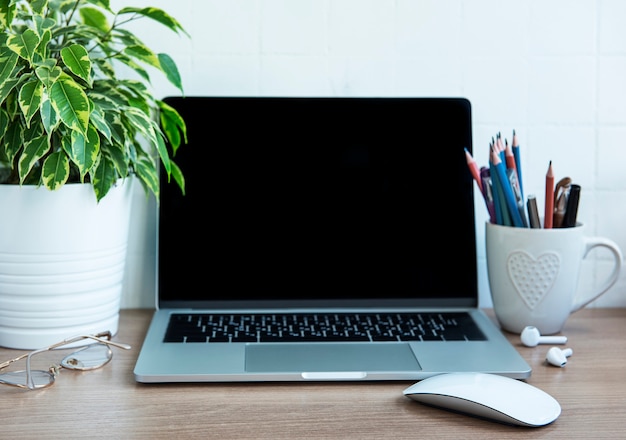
pixel 71 103
pixel 141 122
pixel 38 5
pixel 103 177
pixel 173 125
pixel 33 151
pixel 49 116
pixel 7 11
pixel 146 171
pixel 24 44
pixel 76 58
pixel 55 171
pixel 30 99
pixel 84 150
pixel 4 122
pixel 115 152
pixel 6 88
pixel 13 141
pixel 8 61
pixel 144 54
pixel 157 15
pixel 98 121
pixel 47 75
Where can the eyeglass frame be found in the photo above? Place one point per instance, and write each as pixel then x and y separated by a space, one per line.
pixel 102 338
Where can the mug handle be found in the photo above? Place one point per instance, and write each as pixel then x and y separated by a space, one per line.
pixel 593 242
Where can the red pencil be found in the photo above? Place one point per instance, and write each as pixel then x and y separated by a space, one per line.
pixel 509 157
pixel 473 167
pixel 549 211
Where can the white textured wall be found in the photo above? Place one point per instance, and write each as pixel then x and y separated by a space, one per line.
pixel 553 70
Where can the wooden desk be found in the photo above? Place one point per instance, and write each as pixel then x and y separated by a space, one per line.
pixel 108 403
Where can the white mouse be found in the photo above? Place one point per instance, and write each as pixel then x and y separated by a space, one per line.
pixel 489 396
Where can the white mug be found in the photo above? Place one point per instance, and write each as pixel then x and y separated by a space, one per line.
pixel 533 274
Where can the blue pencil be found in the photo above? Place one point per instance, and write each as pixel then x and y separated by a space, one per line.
pixel 506 189
pixel 499 204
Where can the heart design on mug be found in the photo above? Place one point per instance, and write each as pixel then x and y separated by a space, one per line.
pixel 533 278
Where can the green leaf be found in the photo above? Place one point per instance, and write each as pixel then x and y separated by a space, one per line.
pixel 146 171
pixel 7 11
pixel 104 4
pixel 43 24
pixel 33 151
pixel 13 141
pixel 84 150
pixel 24 44
pixel 173 125
pixel 38 5
pixel 94 17
pixel 98 121
pixel 8 61
pixel 115 153
pixel 4 122
pixel 177 174
pixel 158 15
pixel 144 54
pixel 47 75
pixel 168 66
pixel 76 58
pixel 7 87
pixel 71 103
pixel 49 116
pixel 165 157
pixel 55 171
pixel 141 122
pixel 30 99
pixel 103 178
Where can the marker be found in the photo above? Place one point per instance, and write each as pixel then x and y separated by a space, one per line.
pixel 533 212
pixel 571 211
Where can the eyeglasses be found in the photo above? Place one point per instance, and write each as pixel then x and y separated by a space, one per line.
pixel 89 357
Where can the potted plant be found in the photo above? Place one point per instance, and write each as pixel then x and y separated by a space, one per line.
pixel 74 136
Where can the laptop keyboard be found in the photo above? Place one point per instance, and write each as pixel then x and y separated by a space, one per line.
pixel 334 327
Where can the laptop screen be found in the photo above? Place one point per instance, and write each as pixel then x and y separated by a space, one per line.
pixel 320 202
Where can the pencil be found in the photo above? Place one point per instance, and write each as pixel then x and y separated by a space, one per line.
pixel 549 207
pixel 518 161
pixel 509 197
pixel 473 167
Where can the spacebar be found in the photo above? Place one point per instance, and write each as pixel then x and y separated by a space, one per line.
pixel 314 338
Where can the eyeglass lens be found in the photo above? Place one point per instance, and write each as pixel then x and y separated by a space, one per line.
pixel 40 378
pixel 87 358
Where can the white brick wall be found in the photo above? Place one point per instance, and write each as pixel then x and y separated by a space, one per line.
pixel 553 70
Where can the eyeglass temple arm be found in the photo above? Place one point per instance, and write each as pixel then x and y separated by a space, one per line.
pixel 100 337
pixel 103 337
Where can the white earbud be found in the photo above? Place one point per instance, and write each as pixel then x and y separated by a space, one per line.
pixel 530 337
pixel 558 357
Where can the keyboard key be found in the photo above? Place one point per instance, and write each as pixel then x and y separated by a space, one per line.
pixel 333 327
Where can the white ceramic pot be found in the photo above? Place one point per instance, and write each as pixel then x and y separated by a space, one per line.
pixel 62 262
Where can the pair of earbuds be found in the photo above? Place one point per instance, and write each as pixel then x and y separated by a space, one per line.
pixel 531 338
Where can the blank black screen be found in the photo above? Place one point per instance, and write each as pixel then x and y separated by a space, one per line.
pixel 327 200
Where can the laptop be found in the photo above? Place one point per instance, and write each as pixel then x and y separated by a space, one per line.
pixel 320 239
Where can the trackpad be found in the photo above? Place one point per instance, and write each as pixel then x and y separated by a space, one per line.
pixel 266 358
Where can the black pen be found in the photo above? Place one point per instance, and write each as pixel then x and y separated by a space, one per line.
pixel 571 212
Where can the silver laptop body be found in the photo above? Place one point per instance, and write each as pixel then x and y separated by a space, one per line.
pixel 315 209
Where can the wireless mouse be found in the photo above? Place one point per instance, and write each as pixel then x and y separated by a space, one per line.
pixel 490 396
